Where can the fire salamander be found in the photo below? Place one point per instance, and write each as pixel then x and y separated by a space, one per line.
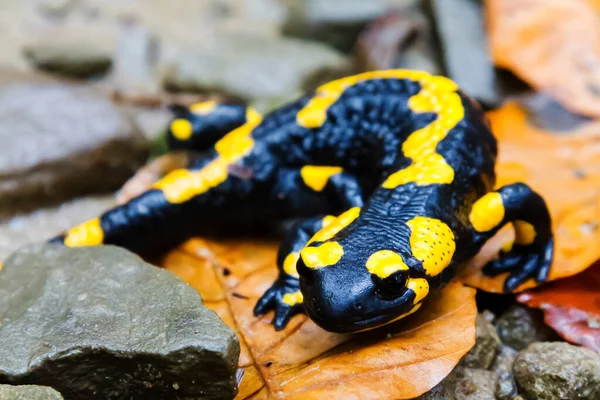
pixel 390 175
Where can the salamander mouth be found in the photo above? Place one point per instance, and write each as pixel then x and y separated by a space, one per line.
pixel 350 326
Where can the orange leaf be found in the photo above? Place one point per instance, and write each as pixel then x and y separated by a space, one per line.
pixel 554 45
pixel 565 170
pixel 400 361
pixel 571 306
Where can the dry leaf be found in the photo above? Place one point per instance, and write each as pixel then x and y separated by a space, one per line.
pixel 565 170
pixel 303 361
pixel 554 45
pixel 571 306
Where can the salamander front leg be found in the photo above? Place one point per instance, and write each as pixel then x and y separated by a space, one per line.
pixel 531 254
pixel 284 296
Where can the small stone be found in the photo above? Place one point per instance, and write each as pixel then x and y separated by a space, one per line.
pixel 28 392
pixel 45 223
pixel 483 353
pixel 520 326
pixel 79 52
pixel 465 48
pixel 506 387
pixel 558 370
pixel 62 141
pixel 464 384
pixel 98 322
pixel 255 67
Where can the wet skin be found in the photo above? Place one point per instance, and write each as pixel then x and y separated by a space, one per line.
pixel 390 175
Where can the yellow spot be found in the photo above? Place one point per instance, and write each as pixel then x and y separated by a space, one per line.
pixel 314 113
pixel 432 243
pixel 182 185
pixel 327 254
pixel 1 266
pixel 289 264
pixel 487 212
pixel 421 288
pixel 327 220
pixel 427 166
pixel 203 108
pixel 384 263
pixel 524 232
pixel 181 129
pixel 88 233
pixel 437 95
pixel 334 226
pixel 316 177
pixel 291 299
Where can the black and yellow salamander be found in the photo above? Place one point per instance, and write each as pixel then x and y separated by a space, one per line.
pixel 390 175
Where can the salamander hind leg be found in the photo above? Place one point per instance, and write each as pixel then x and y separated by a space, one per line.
pixel 531 254
pixel 284 295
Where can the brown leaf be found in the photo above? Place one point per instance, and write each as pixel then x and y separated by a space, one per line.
pixel 303 361
pixel 565 170
pixel 554 45
pixel 571 306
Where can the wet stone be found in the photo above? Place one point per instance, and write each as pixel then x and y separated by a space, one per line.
pixel 28 392
pixel 483 353
pixel 464 384
pixel 506 387
pixel 520 326
pixel 557 370
pixel 75 51
pixel 254 67
pixel 61 141
pixel 103 324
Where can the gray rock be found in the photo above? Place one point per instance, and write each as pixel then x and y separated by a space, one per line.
pixel 45 223
pixel 56 8
pixel 135 59
pixel 99 323
pixel 252 67
pixel 558 370
pixel 61 141
pixel 464 384
pixel 506 387
pixel 520 326
pixel 335 22
pixel 77 51
pixel 463 39
pixel 28 392
pixel 483 353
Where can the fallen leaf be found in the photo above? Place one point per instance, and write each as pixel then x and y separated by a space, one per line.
pixel 303 361
pixel 571 306
pixel 565 169
pixel 554 45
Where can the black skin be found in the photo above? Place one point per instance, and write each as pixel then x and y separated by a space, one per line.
pixel 363 134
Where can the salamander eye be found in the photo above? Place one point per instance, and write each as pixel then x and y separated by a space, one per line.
pixel 393 285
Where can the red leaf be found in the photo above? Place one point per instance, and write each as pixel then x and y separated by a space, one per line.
pixel 571 306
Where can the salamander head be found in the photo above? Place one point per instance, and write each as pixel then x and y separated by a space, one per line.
pixel 357 278
pixel 362 289
pixel 204 123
